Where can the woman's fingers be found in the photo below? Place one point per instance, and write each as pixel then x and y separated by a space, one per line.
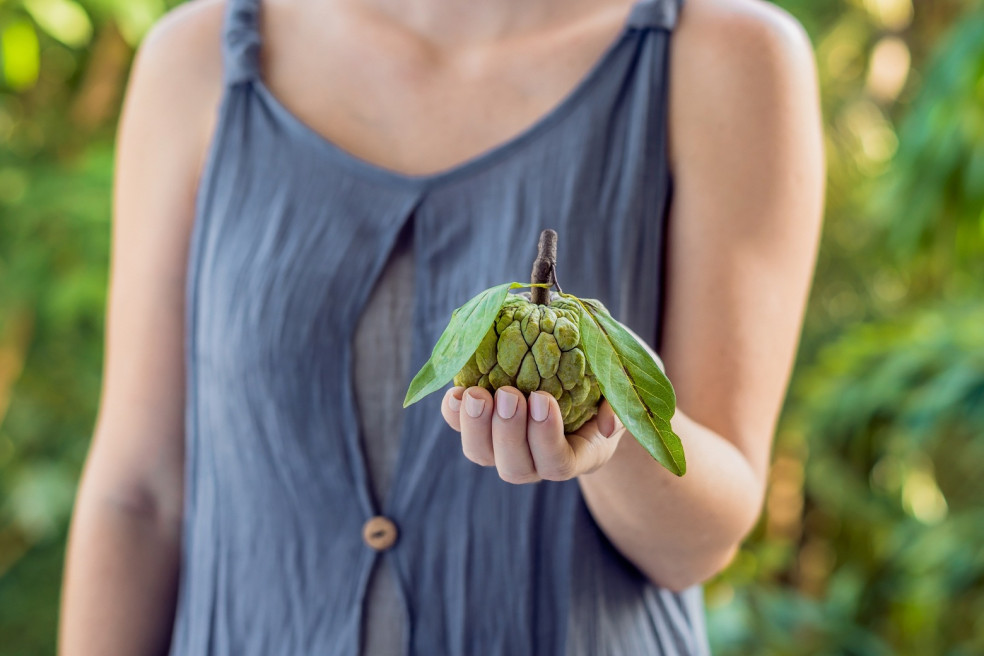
pixel 552 454
pixel 524 439
pixel 451 407
pixel 475 416
pixel 608 423
pixel 509 444
pixel 594 443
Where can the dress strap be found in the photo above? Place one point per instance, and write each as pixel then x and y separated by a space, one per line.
pixel 660 14
pixel 241 40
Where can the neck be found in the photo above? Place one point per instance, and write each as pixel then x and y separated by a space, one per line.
pixel 451 22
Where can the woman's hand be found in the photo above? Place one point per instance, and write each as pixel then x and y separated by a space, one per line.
pixel 525 441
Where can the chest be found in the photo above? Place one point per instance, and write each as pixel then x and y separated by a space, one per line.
pixel 403 103
pixel 301 203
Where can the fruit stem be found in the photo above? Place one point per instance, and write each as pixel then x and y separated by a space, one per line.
pixel 544 267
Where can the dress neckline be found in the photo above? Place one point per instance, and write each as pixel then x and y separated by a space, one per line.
pixel 499 151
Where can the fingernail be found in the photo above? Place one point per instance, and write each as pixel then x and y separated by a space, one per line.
pixel 474 406
pixel 454 402
pixel 606 424
pixel 539 406
pixel 505 404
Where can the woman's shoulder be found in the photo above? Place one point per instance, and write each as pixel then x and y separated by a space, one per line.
pixel 739 69
pixel 754 41
pixel 194 27
pixel 186 40
pixel 176 80
pixel 740 23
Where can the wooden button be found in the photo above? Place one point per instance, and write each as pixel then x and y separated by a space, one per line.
pixel 379 533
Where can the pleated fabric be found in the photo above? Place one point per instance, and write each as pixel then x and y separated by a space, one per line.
pixel 290 234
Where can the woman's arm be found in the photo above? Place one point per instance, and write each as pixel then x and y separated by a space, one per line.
pixel 748 167
pixel 120 582
pixel 747 151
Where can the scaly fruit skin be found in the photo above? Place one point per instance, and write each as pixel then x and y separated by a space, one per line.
pixel 537 347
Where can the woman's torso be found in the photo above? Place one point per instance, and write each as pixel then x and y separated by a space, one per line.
pixel 292 231
pixel 423 102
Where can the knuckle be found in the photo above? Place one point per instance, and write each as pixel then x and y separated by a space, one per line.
pixel 517 478
pixel 482 422
pixel 483 460
pixel 559 471
pixel 478 454
pixel 510 436
pixel 592 452
pixel 451 419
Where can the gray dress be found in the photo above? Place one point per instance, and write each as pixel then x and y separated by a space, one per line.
pixel 319 517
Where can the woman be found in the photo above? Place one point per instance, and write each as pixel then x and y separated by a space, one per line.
pixel 304 192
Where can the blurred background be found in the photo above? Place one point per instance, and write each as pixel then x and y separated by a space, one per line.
pixel 872 539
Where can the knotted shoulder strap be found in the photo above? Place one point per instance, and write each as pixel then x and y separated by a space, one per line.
pixel 661 14
pixel 241 40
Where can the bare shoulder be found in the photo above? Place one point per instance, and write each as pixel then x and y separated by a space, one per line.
pixel 176 79
pixel 196 23
pixel 739 36
pixel 744 98
pixel 741 61
pixel 186 41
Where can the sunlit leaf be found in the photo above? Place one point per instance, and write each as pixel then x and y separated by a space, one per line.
pixel 20 54
pixel 64 20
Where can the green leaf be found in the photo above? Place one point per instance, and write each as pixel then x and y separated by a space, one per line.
pixel 460 340
pixel 633 382
pixel 20 54
pixel 65 20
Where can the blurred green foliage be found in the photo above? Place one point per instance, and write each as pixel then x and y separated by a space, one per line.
pixel 62 69
pixel 872 537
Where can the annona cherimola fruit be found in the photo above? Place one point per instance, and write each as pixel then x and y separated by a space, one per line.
pixel 568 346
pixel 537 347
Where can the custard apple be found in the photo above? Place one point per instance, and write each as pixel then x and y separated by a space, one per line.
pixel 537 347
